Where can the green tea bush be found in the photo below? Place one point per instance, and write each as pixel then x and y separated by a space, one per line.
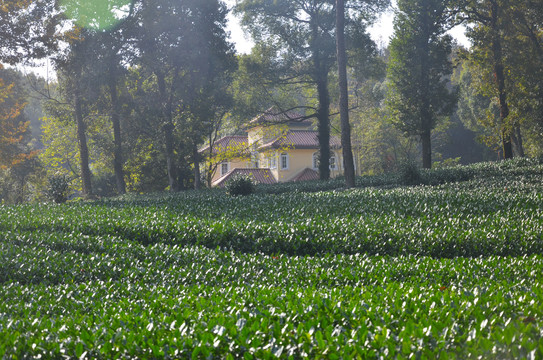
pixel 111 298
pixel 447 271
pixel 410 174
pixel 58 188
pixel 104 185
pixel 447 175
pixel 240 185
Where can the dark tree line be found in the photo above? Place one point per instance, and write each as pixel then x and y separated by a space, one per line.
pixel 143 84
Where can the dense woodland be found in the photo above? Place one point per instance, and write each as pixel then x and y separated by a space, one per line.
pixel 141 86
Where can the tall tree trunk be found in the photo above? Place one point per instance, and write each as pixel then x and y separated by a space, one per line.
pixel 168 129
pixel 426 140
pixel 117 140
pixel 518 145
pixel 324 128
pixel 348 162
pixel 425 114
pixel 83 148
pixel 170 163
pixel 196 161
pixel 499 77
pixel 320 76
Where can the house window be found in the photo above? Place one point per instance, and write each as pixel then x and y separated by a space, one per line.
pixel 273 161
pixel 284 161
pixel 316 160
pixel 225 167
pixel 333 162
pixel 255 156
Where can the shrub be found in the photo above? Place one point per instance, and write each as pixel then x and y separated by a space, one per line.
pixel 410 174
pixel 104 185
pixel 240 185
pixel 58 188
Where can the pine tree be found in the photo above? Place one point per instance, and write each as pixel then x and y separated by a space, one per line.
pixel 418 70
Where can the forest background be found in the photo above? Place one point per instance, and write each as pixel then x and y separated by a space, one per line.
pixel 140 86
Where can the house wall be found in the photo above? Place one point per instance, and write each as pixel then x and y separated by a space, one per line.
pixel 233 164
pixel 265 159
pixel 299 159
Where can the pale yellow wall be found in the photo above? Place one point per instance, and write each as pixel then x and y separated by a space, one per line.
pixel 234 164
pixel 339 163
pixel 303 158
pixel 299 159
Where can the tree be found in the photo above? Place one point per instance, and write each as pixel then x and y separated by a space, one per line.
pixel 60 155
pixel 298 35
pixel 477 111
pixel 344 95
pixel 27 29
pixel 208 97
pixel 79 80
pixel 524 58
pixel 176 42
pixel 14 128
pixel 489 20
pixel 144 138
pixel 418 69
pixel 17 157
pixel 113 52
pixel 106 25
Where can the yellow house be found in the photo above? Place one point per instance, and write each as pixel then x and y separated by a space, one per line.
pixel 275 149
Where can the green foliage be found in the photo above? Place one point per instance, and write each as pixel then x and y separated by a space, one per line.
pixel 104 185
pixel 214 303
pixel 410 173
pixel 28 29
pixel 450 271
pixel 240 185
pixel 447 163
pixel 58 188
pixel 419 67
pixel 505 71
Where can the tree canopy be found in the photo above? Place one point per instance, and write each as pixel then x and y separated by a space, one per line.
pixel 419 66
pixel 143 85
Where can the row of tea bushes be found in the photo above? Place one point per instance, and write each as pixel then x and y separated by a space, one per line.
pixel 205 275
pixel 171 302
pixel 55 260
pixel 409 174
pixel 473 218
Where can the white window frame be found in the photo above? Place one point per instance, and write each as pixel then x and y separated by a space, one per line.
pixel 316 159
pixel 273 161
pixel 284 160
pixel 255 159
pixel 333 164
pixel 225 164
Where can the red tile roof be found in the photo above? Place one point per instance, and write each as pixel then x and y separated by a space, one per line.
pixel 306 175
pixel 300 139
pixel 263 176
pixel 229 143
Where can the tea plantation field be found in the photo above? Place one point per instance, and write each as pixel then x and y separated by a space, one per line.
pixel 451 269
